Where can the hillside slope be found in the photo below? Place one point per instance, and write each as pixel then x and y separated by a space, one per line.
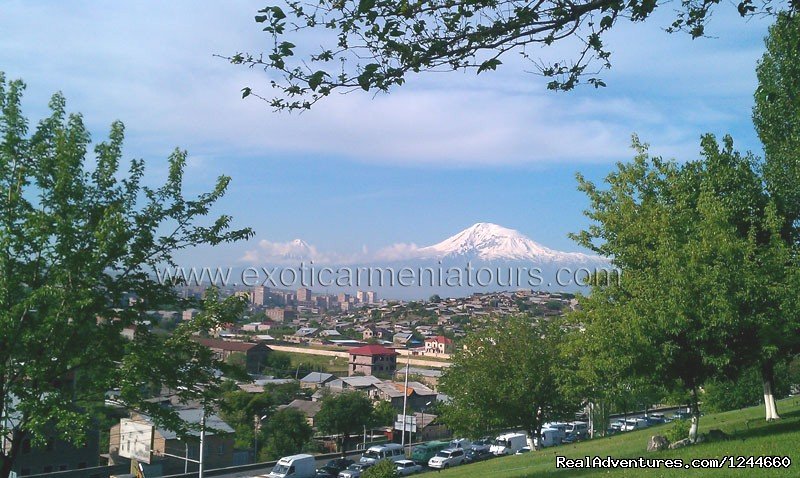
pixel 751 436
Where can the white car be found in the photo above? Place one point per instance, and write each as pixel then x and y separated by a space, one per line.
pixel 407 467
pixel 460 443
pixel 447 458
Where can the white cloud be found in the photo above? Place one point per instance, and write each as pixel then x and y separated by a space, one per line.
pixel 153 68
pixel 397 252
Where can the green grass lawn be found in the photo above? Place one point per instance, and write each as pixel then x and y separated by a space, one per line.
pixel 337 365
pixel 752 436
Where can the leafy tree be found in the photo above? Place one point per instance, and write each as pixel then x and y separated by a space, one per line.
pixel 506 376
pixel 241 410
pixel 78 237
pixel 344 414
pixel 723 394
pixel 375 44
pixel 284 433
pixel 702 271
pixel 382 469
pixel 776 116
pixel 383 414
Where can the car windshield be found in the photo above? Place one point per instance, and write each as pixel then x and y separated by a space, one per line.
pixel 282 469
pixel 443 454
pixel 372 454
pixel 501 442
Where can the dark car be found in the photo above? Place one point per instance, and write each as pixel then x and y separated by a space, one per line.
pixel 681 415
pixel 477 455
pixel 334 466
pixel 656 419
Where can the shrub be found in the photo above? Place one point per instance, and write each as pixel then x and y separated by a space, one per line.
pixel 383 469
pixel 678 431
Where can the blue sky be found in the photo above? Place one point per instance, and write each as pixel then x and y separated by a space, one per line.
pixel 414 166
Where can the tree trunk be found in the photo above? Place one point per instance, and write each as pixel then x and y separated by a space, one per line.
pixel 7 458
pixel 5 466
pixel 695 417
pixel 770 409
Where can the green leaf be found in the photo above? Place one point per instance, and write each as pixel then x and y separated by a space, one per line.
pixel 316 79
pixel 491 64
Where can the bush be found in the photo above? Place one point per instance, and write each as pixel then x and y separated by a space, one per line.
pixel 678 431
pixel 383 469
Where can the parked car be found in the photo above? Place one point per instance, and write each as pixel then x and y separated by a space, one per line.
pixel 579 429
pixel 635 424
pixel 336 465
pixel 294 466
pixel 550 437
pixel 354 471
pixel 655 419
pixel 462 443
pixel 391 451
pixel 523 450
pixel 569 438
pixel 682 415
pixel 477 455
pixel 509 443
pixel 618 425
pixel 447 458
pixel 407 467
pixel 482 445
pixel 426 451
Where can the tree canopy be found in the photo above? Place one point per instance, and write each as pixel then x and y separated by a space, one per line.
pixel 506 376
pixel 284 433
pixel 376 44
pixel 706 277
pixel 80 238
pixel 344 414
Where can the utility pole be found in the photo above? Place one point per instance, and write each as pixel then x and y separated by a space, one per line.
pixel 202 442
pixel 405 403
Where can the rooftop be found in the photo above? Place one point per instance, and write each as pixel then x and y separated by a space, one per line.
pixel 372 350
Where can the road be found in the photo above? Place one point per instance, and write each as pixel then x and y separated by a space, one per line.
pixel 335 353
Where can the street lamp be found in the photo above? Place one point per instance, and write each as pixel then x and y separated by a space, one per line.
pixel 422 419
pixel 256 427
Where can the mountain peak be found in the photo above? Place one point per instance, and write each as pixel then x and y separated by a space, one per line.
pixel 487 241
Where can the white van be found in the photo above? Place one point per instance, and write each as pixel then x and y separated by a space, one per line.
pixel 551 437
pixel 634 424
pixel 508 444
pixel 295 466
pixel 391 451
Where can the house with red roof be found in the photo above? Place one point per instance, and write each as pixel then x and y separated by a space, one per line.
pixel 438 345
pixel 372 360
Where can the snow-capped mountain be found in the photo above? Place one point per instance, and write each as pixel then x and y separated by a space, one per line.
pixel 489 242
pixel 282 252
